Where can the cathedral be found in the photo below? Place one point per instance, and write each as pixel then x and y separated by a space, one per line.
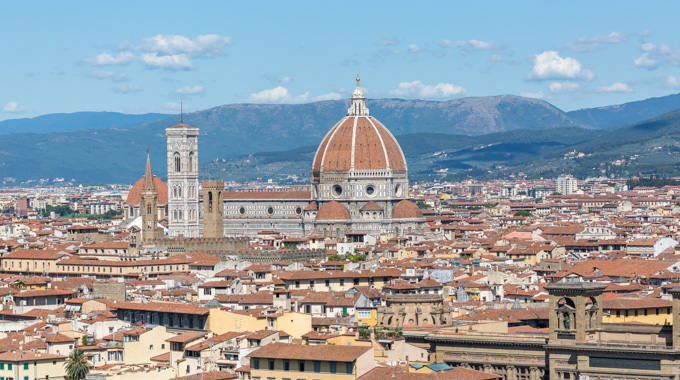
pixel 359 186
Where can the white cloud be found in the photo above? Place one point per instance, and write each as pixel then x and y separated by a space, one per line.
pixel 106 59
pixel 127 88
pixel 413 48
pixel 13 107
pixel 564 87
pixel 495 57
pixel 467 47
pixel 278 94
pixel 646 62
pixel 535 95
pixel 616 87
pixel 391 51
pixel 654 56
pixel 207 45
pixel 549 65
pixel 584 44
pixel 116 77
pixel 388 41
pixel 329 96
pixel 669 81
pixel 189 90
pixel 168 62
pixel 418 89
pixel 286 80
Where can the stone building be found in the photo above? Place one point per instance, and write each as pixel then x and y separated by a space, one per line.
pixel 213 205
pixel 359 185
pixel 578 346
pixel 183 186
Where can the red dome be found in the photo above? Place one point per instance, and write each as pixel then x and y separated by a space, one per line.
pixel 333 210
pixel 135 195
pixel 359 143
pixel 406 210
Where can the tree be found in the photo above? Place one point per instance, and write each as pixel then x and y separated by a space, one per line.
pixel 76 365
pixel 83 340
pixel 523 213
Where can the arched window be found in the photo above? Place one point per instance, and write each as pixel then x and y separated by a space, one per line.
pixel 178 166
pixel 210 201
pixel 191 162
pixel 148 209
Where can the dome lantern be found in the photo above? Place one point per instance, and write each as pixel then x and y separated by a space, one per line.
pixel 358 107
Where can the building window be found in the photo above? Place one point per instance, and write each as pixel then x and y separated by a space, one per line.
pixel 364 313
pixel 328 283
pixel 178 166
pixel 256 363
pixel 349 367
pixel 317 367
pixel 271 365
pixel 286 365
pixel 301 366
pixel 334 367
pixel 25 365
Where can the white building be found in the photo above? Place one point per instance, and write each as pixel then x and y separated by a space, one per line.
pixel 566 184
pixel 183 191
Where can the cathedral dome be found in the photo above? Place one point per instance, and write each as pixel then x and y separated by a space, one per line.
pixel 407 210
pixel 333 210
pixel 135 194
pixel 358 142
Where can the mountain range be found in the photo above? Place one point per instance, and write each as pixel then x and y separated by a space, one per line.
pixel 245 141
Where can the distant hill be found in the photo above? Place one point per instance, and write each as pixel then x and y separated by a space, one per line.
pixel 627 113
pixel 495 136
pixel 644 148
pixel 58 122
pixel 106 155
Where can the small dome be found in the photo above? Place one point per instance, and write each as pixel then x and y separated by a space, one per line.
pixel 406 210
pixel 135 195
pixel 333 210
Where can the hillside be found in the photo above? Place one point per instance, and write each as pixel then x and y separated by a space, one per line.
pixel 116 155
pixel 627 113
pixel 58 122
pixel 488 137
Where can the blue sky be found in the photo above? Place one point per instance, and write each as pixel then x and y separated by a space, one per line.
pixel 147 56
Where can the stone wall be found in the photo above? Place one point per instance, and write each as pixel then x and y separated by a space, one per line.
pixel 109 290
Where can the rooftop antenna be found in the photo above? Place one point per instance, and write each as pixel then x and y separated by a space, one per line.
pixel 181 113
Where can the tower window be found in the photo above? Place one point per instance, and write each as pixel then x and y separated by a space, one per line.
pixel 270 210
pixel 191 161
pixel 178 166
pixel 210 201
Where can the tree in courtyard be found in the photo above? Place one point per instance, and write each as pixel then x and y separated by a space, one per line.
pixel 76 365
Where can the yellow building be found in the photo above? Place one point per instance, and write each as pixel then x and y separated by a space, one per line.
pixel 31 365
pixel 290 361
pixel 292 323
pixel 653 311
pixel 141 345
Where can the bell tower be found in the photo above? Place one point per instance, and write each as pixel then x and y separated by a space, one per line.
pixel 213 209
pixel 575 311
pixel 183 205
pixel 148 205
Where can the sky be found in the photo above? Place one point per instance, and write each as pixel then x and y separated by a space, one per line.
pixel 148 56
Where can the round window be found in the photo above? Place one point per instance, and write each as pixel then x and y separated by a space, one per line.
pixel 298 210
pixel 337 190
pixel 270 210
pixel 370 190
pixel 398 191
pixel 241 210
